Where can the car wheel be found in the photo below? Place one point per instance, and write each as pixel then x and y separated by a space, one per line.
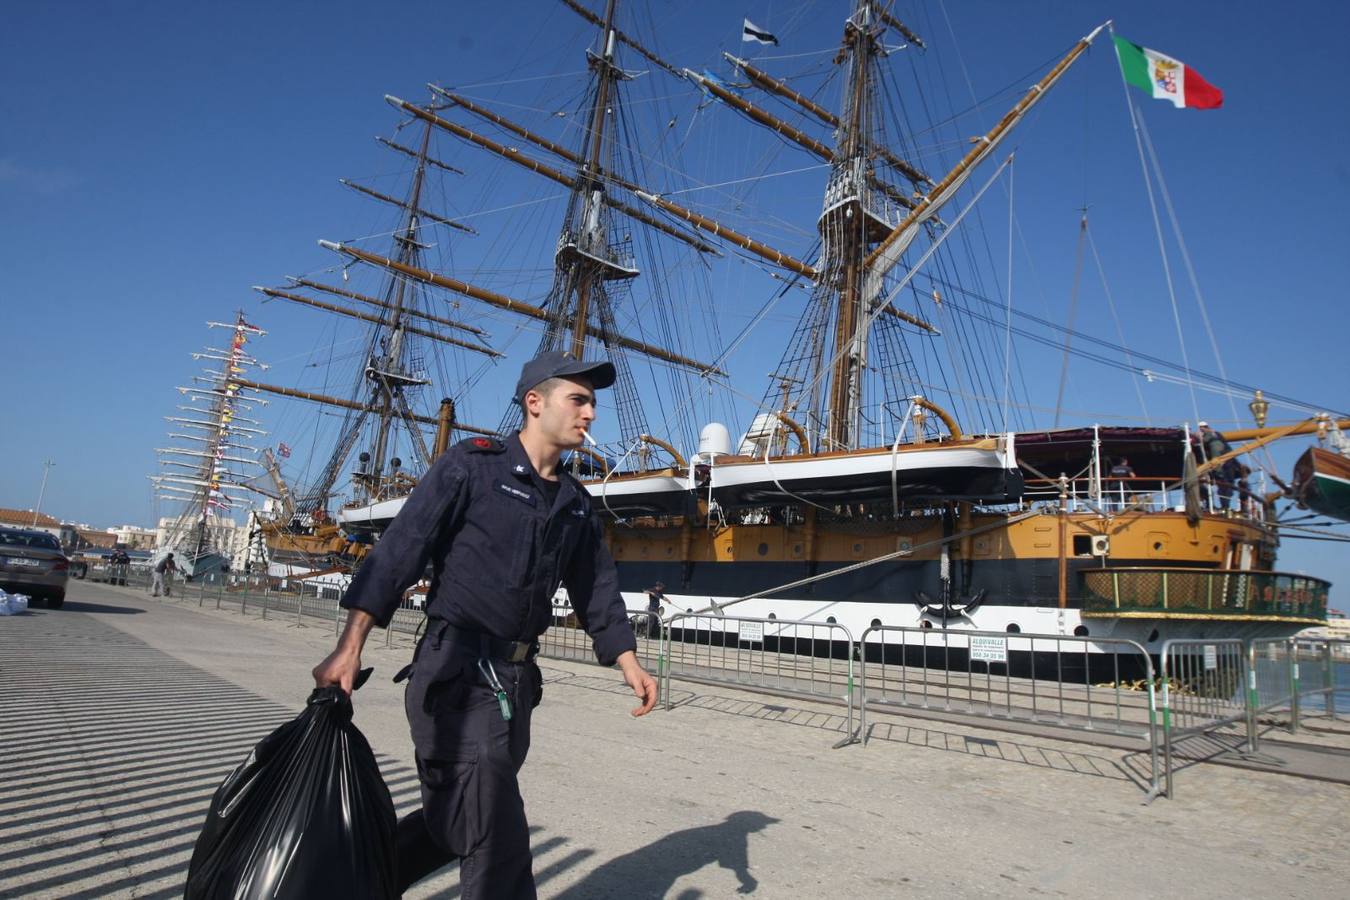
pixel 56 601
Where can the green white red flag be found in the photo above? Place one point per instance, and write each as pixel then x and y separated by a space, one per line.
pixel 1165 78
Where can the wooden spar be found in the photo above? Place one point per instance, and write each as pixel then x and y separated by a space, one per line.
pixel 445 422
pixel 619 35
pixel 1259 437
pixel 408 151
pixel 890 191
pixel 901 166
pixel 346 404
pixel 484 113
pixel 340 292
pixel 367 317
pixel 903 29
pixel 657 442
pixel 501 301
pixel 760 116
pixel 762 250
pixel 547 171
pixel 1312 426
pixel 773 85
pixel 903 316
pixel 385 198
pixel 1271 435
pixel 984 146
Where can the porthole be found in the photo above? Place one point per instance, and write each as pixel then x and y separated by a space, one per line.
pixel 773 615
pixel 763 549
pixel 1157 545
pixel 1014 628
pixel 1080 631
pixel 925 624
pixel 831 620
pixel 1152 636
pixel 876 623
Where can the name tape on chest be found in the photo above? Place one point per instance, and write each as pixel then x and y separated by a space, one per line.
pixel 516 493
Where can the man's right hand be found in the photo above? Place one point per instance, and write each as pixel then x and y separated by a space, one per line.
pixel 342 665
pixel 339 668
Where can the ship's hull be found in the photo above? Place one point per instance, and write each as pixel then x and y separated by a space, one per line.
pixel 939 644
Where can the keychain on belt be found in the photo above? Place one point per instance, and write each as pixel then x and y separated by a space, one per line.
pixel 485 666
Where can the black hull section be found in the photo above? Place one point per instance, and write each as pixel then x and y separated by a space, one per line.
pixel 1006 582
pixel 975 483
pixel 1069 667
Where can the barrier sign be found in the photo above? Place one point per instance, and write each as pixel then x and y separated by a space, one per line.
pixel 1211 656
pixel 989 649
pixel 752 632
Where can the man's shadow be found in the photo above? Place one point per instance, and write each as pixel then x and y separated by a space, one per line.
pixel 653 870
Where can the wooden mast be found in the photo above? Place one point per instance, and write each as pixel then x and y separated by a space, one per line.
pixel 847 220
pixel 589 183
pixel 388 376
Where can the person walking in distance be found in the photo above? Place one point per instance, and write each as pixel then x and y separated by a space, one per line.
pixel 655 597
pixel 164 570
pixel 501 525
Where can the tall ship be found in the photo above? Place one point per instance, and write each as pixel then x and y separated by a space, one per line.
pixel 890 464
pixel 206 472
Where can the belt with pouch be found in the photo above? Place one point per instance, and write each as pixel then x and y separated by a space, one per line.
pixel 485 645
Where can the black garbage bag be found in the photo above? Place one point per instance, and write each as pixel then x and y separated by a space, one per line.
pixel 306 815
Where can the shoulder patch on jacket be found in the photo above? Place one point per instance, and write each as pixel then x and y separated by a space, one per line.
pixel 483 445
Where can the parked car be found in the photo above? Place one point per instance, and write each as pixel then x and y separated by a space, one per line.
pixel 31 562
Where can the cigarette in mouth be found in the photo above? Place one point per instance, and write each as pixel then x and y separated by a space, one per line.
pixel 587 435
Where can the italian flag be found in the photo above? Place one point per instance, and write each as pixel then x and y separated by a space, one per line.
pixel 1165 78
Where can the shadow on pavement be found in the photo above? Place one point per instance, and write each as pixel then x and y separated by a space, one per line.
pixel 102 608
pixel 653 870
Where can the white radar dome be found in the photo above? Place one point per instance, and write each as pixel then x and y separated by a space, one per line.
pixel 714 440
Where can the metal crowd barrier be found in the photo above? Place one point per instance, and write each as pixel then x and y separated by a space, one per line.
pixel 1272 681
pixel 1206 684
pixel 800 658
pixel 566 639
pixel 1037 678
pixel 1315 665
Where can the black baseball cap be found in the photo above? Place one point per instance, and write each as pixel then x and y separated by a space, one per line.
pixel 556 364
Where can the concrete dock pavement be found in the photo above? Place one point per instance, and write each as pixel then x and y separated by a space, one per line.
pixel 120 714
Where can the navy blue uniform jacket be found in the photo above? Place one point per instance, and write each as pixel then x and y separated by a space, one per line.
pixel 498 551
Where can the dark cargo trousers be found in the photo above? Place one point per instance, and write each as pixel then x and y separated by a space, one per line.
pixel 468 755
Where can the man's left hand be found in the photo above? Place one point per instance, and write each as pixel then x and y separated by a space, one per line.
pixel 643 685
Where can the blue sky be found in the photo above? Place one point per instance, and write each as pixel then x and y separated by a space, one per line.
pixel 158 159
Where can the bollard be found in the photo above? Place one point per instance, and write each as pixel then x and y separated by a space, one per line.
pixel 299 605
pixel 267 595
pixel 220 592
pixel 201 594
pixel 337 614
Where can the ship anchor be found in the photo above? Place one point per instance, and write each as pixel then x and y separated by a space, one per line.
pixel 947 609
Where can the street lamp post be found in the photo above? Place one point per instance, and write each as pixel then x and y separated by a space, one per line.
pixel 46 468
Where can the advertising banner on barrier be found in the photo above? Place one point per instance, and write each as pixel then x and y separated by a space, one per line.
pixel 989 649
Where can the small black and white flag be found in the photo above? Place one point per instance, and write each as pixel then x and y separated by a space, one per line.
pixel 752 32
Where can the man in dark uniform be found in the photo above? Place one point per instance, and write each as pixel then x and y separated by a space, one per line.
pixel 501 525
